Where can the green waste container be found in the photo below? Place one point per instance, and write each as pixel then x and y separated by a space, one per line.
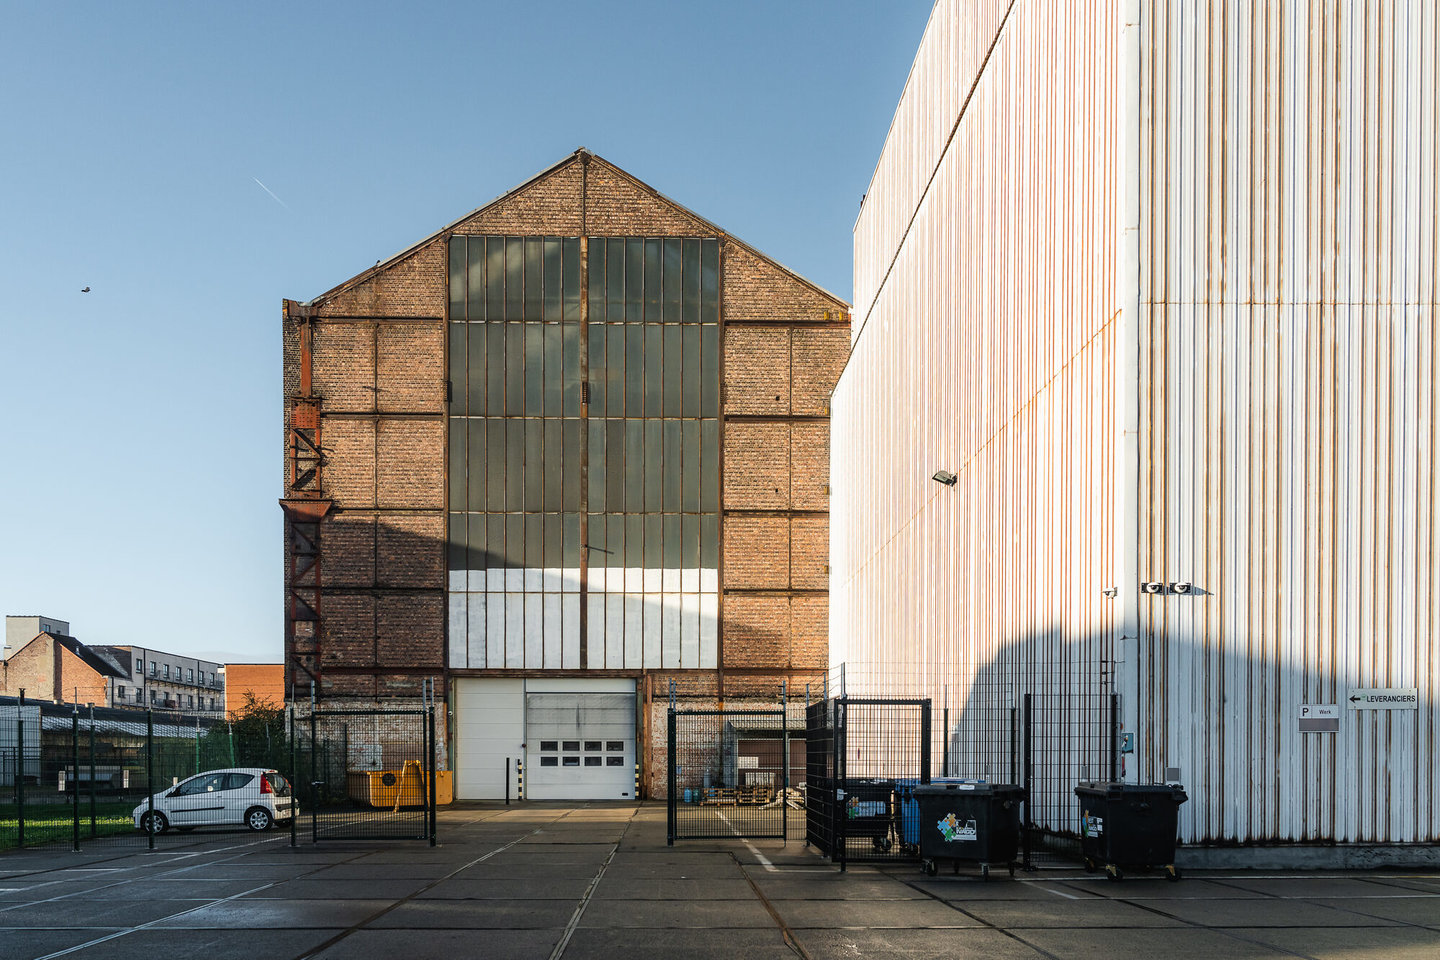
pixel 1129 825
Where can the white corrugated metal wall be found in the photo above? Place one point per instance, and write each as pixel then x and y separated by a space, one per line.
pixel 985 345
pixel 1288 406
pixel 1288 228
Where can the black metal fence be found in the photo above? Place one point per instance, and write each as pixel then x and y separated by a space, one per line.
pixel 731 774
pixel 864 757
pixel 369 773
pixel 1067 736
pixel 76 775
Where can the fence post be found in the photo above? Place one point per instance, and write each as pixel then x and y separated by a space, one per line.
pixel 314 822
pixel 925 732
pixel 20 772
pixel 75 779
pixel 945 743
pixel 93 833
pixel 1029 735
pixel 1114 737
pixel 294 770
pixel 507 781
pixel 837 746
pixel 430 735
pixel 784 763
pixel 1014 744
pixel 670 773
pixel 150 775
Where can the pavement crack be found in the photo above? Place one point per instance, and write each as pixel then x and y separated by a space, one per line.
pixel 785 932
pixel 564 940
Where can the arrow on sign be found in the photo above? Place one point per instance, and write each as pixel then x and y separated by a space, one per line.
pixel 1354 699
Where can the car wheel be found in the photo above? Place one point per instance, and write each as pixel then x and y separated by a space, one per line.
pixel 258 818
pixel 154 823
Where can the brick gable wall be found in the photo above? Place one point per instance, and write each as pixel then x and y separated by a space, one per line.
pixel 379 367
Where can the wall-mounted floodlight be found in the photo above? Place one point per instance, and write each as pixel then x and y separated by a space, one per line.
pixel 1180 586
pixel 945 477
pixel 1152 586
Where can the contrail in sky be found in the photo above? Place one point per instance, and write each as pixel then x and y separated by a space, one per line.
pixel 272 193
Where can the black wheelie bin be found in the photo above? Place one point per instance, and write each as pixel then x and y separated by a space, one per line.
pixel 1129 825
pixel 867 806
pixel 975 822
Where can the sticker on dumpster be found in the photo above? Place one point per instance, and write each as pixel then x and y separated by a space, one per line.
pixel 865 808
pixel 953 830
pixel 1091 826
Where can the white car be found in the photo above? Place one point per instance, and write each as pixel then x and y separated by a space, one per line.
pixel 253 796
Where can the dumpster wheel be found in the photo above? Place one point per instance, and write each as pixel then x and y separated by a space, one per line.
pixel 1113 871
pixel 1172 873
pixel 1091 866
pixel 930 868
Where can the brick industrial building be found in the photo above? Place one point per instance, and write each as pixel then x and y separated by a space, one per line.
pixel 565 450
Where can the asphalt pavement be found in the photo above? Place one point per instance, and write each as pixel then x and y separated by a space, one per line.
pixel 541 880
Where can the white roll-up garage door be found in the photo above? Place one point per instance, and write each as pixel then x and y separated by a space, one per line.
pixel 579 746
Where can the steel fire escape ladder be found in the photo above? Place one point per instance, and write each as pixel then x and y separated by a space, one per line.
pixel 305 505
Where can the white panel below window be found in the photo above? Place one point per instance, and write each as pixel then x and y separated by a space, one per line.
pixel 534 630
pixel 553 631
pixel 475 629
pixel 670 628
pixel 634 630
pixel 495 630
pixel 457 625
pixel 515 630
pixel 709 629
pixel 570 645
pixel 689 630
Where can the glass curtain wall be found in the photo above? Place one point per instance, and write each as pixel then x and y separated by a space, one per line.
pixel 527 464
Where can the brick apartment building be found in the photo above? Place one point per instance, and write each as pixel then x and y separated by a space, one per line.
pixel 565 450
pixel 45 661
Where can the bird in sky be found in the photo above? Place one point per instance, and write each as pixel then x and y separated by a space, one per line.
pixel 84 289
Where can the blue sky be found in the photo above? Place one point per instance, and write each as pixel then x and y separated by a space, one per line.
pixel 141 426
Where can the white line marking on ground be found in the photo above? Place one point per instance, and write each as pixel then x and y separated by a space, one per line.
pixel 1058 893
pixel 144 926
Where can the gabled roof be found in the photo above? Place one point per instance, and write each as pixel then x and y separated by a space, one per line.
pixel 580 154
pixel 91 658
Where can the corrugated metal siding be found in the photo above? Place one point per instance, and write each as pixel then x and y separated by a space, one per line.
pixel 1288 401
pixel 984 280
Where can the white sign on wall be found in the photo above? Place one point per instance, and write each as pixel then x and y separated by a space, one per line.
pixel 1384 698
pixel 1319 718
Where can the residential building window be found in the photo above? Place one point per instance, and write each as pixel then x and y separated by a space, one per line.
pixel 140 666
pixel 191 699
pixel 153 668
pixel 189 676
pixel 119 691
pixel 167 671
pixel 153 697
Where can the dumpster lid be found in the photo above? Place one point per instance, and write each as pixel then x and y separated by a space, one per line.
pixel 980 788
pixel 1115 788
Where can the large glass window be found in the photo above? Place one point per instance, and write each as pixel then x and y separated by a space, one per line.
pixel 597 439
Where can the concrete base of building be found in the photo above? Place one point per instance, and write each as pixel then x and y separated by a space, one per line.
pixel 1348 856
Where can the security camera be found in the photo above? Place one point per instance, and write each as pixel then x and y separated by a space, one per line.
pixel 945 477
pixel 1110 592
pixel 1152 586
pixel 1180 586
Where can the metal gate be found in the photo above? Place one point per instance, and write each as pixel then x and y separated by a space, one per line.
pixel 369 773
pixel 1067 737
pixel 729 774
pixel 864 756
